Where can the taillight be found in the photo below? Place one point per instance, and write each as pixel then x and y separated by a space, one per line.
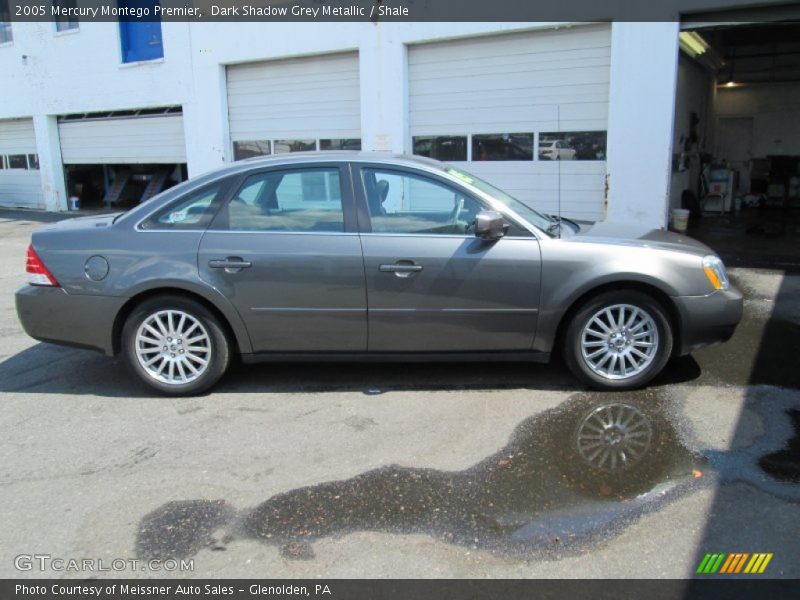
pixel 37 272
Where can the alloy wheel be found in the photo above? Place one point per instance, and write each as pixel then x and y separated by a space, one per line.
pixel 619 341
pixel 173 347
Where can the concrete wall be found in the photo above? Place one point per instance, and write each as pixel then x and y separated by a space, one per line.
pixel 775 110
pixel 694 93
pixel 644 66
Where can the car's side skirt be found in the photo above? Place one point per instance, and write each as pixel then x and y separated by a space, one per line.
pixel 522 356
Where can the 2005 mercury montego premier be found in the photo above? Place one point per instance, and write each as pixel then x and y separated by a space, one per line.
pixel 355 256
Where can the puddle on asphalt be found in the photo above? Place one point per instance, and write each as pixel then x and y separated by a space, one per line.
pixel 569 477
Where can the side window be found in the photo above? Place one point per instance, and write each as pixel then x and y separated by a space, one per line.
pixel 400 202
pixel 298 200
pixel 193 212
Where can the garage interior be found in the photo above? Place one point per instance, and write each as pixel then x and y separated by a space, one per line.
pixel 121 158
pixel 736 154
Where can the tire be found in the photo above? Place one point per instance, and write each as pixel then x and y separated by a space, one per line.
pixel 649 334
pixel 182 338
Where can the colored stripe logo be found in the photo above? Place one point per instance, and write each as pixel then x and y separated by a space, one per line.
pixel 735 562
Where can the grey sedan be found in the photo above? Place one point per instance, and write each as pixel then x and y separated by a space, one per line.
pixel 350 256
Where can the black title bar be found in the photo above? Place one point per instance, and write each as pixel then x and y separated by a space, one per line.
pixel 401 10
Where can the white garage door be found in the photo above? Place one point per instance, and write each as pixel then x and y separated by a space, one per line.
pixel 138 139
pixel 20 182
pixel 299 104
pixel 518 109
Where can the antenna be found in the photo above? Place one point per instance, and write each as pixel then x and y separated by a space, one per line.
pixel 558 159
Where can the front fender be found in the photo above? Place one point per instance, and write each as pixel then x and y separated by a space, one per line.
pixel 571 271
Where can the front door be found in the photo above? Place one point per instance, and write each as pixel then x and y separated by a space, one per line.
pixel 286 252
pixel 432 286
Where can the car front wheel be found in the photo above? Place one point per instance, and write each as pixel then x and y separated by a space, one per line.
pixel 618 340
pixel 175 345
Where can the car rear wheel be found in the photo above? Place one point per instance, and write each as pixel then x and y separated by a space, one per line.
pixel 618 340
pixel 175 345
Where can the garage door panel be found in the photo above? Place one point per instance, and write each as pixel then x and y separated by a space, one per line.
pixel 531 66
pixel 532 42
pixel 539 82
pixel 514 81
pixel 305 98
pixel 19 187
pixel 17 136
pixel 312 127
pixel 518 119
pixel 581 92
pixel 123 140
pixel 252 110
pixel 581 184
pixel 288 80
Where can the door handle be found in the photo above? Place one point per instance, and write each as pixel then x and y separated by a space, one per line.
pixel 402 268
pixel 231 264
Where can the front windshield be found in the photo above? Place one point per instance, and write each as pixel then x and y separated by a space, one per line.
pixel 523 210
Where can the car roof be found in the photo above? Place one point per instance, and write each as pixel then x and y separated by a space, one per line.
pixel 336 155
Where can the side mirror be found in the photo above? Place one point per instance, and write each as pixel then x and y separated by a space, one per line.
pixel 490 225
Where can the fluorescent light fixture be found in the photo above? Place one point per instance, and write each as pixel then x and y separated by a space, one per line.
pixel 692 43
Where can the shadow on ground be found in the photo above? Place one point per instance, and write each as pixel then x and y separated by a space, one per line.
pixel 48 369
pixel 770 373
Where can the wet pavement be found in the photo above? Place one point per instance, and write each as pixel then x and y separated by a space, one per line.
pixel 568 477
pixel 455 470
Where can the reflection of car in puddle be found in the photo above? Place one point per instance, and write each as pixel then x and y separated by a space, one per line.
pixel 569 476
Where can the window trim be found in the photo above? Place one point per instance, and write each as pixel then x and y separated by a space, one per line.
pixel 350 224
pixel 365 219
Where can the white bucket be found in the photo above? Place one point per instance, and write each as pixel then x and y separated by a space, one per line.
pixel 680 219
pixel 74 203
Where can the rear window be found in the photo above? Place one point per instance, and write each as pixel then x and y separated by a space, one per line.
pixel 193 211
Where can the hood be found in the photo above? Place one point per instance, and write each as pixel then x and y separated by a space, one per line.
pixel 90 222
pixel 622 234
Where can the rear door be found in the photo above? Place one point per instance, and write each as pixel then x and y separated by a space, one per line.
pixel 284 249
pixel 432 286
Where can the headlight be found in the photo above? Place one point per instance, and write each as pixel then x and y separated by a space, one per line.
pixel 715 271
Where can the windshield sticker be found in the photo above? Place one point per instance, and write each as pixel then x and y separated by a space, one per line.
pixel 462 176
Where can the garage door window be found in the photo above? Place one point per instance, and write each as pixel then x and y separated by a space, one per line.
pixel 502 146
pixel 569 145
pixel 340 144
pixel 296 201
pixel 284 146
pixel 441 147
pixel 17 161
pixel 250 149
pixel 403 203
pixel 572 145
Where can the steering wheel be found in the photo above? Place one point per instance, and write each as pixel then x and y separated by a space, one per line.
pixel 458 206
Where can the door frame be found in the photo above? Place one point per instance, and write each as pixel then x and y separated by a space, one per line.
pixel 362 205
pixel 349 204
